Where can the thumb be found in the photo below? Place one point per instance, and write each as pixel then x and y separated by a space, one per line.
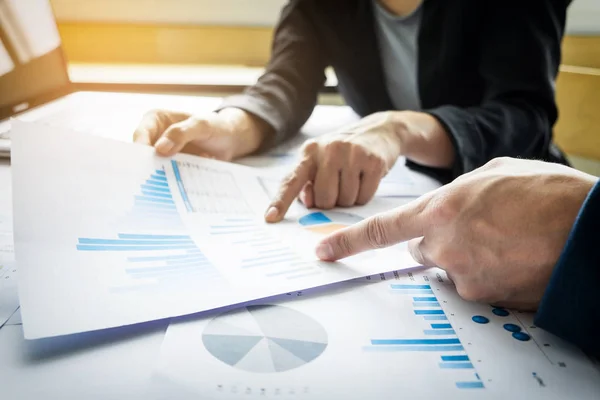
pixel 180 134
pixel 382 230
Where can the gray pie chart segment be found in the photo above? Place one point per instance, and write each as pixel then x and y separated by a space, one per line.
pixel 289 339
pixel 230 348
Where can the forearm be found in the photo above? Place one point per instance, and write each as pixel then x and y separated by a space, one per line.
pixel 285 95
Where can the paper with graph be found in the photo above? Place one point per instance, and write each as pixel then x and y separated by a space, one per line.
pixel 393 336
pixel 109 234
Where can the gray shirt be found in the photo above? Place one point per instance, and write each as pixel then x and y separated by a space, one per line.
pixel 397 38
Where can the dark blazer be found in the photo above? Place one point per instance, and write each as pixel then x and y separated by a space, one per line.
pixel 486 71
pixel 570 308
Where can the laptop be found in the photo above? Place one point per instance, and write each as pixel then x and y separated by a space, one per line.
pixel 35 85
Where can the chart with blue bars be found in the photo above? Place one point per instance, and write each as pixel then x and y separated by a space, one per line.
pixel 155 258
pixel 438 335
pixel 154 207
pixel 208 191
pixel 257 249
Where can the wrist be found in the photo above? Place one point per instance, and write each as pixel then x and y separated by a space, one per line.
pixel 423 139
pixel 249 130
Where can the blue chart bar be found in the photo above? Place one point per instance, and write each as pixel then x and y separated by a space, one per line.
pixel 377 342
pixel 455 358
pixel 425 304
pixel 181 186
pixel 199 258
pixel 157 183
pixel 456 365
pixel 441 326
pixel 425 299
pixel 161 237
pixel 470 385
pixel 439 332
pixel 133 241
pixel 435 318
pixel 90 247
pixel 146 199
pixel 429 312
pixel 393 349
pixel 412 291
pixel 399 286
pixel 159 177
pixel 156 194
pixel 160 189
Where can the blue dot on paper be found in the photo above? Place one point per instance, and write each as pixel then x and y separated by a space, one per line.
pixel 480 319
pixel 522 336
pixel 512 327
pixel 501 312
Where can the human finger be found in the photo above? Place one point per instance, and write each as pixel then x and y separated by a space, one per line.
pixel 154 123
pixel 419 249
pixel 290 188
pixel 180 134
pixel 382 230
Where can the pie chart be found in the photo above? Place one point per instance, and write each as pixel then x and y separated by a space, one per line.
pixel 325 223
pixel 265 339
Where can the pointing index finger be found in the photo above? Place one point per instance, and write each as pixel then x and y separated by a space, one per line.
pixel 290 188
pixel 382 230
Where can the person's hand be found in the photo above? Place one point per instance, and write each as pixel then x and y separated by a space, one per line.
pixel 345 168
pixel 224 135
pixel 497 231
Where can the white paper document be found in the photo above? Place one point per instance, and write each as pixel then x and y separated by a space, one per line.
pixel 109 234
pixel 403 335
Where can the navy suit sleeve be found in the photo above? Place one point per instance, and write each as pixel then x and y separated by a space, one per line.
pixel 570 307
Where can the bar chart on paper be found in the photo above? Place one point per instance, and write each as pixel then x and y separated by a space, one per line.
pixel 412 326
pixel 209 191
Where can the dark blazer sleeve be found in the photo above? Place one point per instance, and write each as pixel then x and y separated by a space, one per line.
pixel 519 58
pixel 570 308
pixel 286 94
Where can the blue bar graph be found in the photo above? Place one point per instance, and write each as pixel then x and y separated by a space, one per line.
pixel 393 349
pixel 133 241
pixel 429 312
pixel 147 199
pixel 160 189
pixel 181 186
pixel 455 358
pixel 159 177
pixel 379 342
pixel 456 365
pixel 425 299
pixel 157 183
pixel 399 286
pixel 89 247
pixel 470 385
pixel 441 326
pixel 425 304
pixel 439 332
pixel 152 193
